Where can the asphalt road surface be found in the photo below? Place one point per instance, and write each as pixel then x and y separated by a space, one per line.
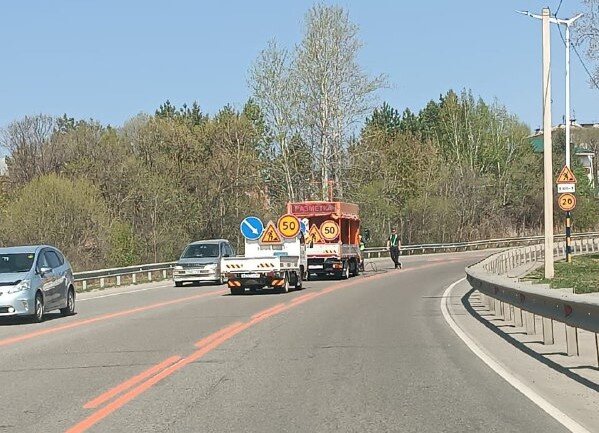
pixel 370 354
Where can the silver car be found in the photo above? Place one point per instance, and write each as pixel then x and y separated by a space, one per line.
pixel 201 262
pixel 35 280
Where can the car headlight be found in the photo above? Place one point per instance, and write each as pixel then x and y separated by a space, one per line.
pixel 211 266
pixel 178 268
pixel 23 285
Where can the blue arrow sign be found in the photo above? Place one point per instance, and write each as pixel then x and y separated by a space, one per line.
pixel 304 223
pixel 251 228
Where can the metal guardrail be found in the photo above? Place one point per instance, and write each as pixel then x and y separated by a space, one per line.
pixel 520 302
pixel 465 246
pixel 148 272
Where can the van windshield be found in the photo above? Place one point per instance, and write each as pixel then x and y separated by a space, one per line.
pixel 14 263
pixel 198 251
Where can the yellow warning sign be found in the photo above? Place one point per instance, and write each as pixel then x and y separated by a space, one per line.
pixel 566 176
pixel 314 236
pixel 271 235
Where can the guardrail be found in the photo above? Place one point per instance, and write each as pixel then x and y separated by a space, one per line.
pixel 466 246
pixel 520 302
pixel 149 272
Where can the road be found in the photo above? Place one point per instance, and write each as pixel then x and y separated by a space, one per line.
pixel 369 354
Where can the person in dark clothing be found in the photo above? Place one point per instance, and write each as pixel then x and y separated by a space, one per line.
pixel 394 244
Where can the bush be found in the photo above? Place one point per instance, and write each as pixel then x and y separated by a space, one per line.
pixel 69 214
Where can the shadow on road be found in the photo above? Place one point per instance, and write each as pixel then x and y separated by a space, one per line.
pixel 521 346
pixel 21 320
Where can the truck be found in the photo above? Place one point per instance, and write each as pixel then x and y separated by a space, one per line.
pixel 280 267
pixel 333 237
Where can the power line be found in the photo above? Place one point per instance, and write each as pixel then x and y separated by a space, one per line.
pixel 561 35
pixel 558 7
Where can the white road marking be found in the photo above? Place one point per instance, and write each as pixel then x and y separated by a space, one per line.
pixel 121 293
pixel 557 414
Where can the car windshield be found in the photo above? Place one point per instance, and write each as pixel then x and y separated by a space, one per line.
pixel 201 251
pixel 12 263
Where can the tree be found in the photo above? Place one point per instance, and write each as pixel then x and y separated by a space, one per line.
pixel 335 93
pixel 55 210
pixel 31 150
pixel 312 99
pixel 587 36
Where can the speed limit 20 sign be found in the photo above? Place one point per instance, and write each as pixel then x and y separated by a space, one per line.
pixel 567 202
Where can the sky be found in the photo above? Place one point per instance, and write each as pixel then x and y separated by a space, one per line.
pixel 110 60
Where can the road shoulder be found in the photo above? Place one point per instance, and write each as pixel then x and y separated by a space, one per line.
pixel 568 383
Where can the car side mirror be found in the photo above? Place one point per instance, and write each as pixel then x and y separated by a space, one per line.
pixel 45 271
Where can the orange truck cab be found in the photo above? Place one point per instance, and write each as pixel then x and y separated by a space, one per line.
pixel 333 237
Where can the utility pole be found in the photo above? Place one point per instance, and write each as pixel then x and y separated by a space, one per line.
pixel 547 146
pixel 567 22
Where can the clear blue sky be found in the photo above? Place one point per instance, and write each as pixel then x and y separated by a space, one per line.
pixel 110 60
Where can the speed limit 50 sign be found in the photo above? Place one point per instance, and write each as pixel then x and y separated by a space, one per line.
pixel 289 226
pixel 567 202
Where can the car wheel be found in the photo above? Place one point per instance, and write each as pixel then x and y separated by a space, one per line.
pixel 178 284
pixel 69 310
pixel 38 315
pixel 223 279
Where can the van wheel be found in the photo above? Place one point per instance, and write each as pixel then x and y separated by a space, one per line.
pixel 178 284
pixel 38 315
pixel 69 310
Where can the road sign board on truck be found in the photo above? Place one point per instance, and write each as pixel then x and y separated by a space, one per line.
pixel 251 228
pixel 289 226
pixel 271 235
pixel 329 230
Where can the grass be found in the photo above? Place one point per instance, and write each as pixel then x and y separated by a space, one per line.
pixel 582 274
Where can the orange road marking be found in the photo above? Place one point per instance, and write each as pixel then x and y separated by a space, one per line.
pixel 76 324
pixel 206 345
pixel 103 398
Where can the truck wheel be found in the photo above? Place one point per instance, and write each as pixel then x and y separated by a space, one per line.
pixel 298 281
pixel 178 284
pixel 285 288
pixel 345 275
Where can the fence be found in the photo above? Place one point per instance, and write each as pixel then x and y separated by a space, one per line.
pixel 521 302
pixel 141 273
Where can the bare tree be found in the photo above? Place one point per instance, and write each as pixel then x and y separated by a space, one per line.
pixel 587 35
pixel 270 81
pixel 335 93
pixel 30 148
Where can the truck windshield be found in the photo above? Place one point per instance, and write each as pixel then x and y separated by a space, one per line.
pixel 201 250
pixel 13 263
